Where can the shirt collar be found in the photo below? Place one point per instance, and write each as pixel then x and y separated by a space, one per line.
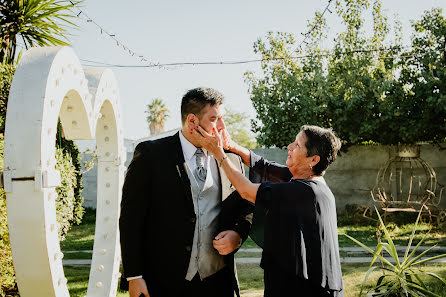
pixel 188 148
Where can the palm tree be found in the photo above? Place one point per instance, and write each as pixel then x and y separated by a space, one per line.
pixel 35 23
pixel 157 113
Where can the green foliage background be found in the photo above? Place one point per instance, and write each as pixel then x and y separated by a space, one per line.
pixel 69 164
pixel 236 124
pixel 369 87
pixel 7 277
pixel 6 75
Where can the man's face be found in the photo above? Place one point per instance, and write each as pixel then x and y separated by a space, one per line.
pixel 212 117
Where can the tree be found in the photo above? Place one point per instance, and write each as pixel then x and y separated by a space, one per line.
pixel 420 105
pixel 236 123
pixel 360 87
pixel 34 22
pixel 157 113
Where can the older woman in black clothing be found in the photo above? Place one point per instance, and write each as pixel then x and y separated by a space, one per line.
pixel 296 208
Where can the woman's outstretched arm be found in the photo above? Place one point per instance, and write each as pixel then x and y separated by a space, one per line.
pixel 246 189
pixel 230 145
pixel 260 169
pixel 214 144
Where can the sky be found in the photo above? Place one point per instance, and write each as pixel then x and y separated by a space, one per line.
pixel 197 31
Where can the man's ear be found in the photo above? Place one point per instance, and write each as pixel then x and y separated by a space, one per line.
pixel 315 160
pixel 192 121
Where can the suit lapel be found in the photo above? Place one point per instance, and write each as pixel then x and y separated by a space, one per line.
pixel 226 187
pixel 180 165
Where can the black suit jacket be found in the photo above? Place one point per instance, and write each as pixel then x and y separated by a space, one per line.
pixel 157 220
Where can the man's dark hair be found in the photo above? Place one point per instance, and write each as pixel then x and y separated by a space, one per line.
pixel 322 142
pixel 195 100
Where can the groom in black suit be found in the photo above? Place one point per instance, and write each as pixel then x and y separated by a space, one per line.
pixel 175 240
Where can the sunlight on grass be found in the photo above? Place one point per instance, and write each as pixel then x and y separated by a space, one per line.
pixel 78 281
pixel 78 255
pixel 251 279
pixel 81 237
pixel 400 235
pixel 248 244
pixel 251 275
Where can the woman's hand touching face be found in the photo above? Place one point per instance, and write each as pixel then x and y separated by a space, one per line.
pixel 212 142
pixel 228 143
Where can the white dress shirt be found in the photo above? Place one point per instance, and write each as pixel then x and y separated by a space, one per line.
pixel 189 151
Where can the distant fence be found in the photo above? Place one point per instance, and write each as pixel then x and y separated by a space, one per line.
pixel 351 177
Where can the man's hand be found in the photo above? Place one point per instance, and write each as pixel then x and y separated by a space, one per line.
pixel 137 287
pixel 226 242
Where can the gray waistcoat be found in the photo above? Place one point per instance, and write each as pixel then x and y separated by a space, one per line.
pixel 204 258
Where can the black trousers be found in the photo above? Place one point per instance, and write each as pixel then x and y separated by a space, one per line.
pixel 219 284
pixel 280 285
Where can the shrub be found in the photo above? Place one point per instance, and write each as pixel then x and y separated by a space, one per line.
pixel 7 277
pixel 6 74
pixel 65 202
pixel 364 89
pixel 71 149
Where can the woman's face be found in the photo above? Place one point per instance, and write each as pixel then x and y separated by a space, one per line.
pixel 297 161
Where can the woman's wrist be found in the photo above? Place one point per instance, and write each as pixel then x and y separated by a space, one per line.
pixel 220 161
pixel 220 154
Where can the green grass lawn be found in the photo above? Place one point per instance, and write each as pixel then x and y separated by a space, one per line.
pixel 400 235
pixel 77 255
pixel 81 237
pixel 78 281
pixel 251 275
pixel 249 244
pixel 251 279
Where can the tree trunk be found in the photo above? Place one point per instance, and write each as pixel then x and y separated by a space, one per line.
pixel 156 128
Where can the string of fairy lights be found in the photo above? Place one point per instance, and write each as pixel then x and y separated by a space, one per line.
pixel 148 63
pixel 359 51
pixel 119 43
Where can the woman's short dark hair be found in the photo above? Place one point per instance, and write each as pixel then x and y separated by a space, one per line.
pixel 195 100
pixel 322 142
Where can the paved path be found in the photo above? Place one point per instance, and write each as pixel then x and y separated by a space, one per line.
pixel 356 249
pixel 343 260
pixel 360 249
pixel 253 294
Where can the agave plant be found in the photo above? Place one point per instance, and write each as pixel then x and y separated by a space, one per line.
pixel 403 277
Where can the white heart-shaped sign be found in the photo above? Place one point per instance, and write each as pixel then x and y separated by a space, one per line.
pixel 50 83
